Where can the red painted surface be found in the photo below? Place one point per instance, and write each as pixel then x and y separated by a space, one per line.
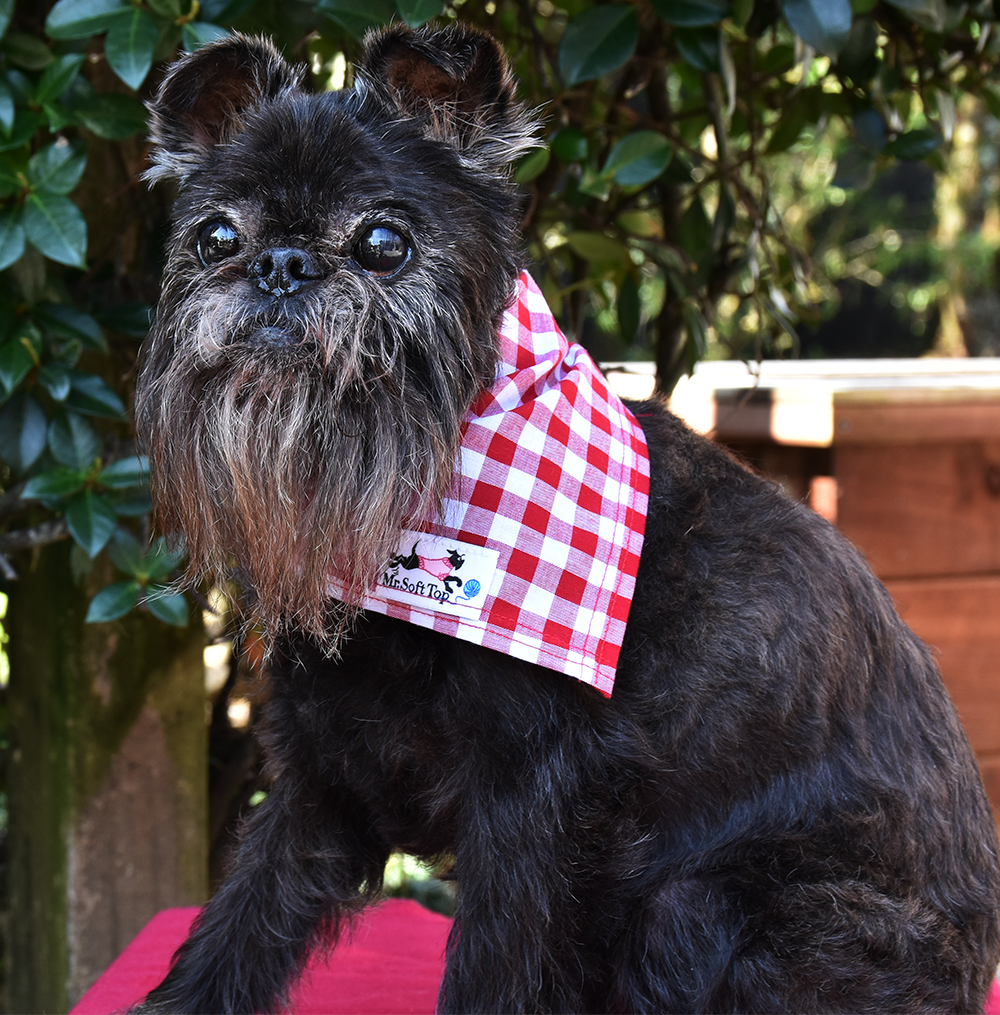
pixel 391 964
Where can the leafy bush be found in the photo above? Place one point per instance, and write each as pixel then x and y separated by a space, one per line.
pixel 651 197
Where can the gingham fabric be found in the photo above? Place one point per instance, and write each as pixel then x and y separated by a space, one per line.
pixel 537 548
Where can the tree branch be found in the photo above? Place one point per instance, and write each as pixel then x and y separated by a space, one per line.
pixel 25 539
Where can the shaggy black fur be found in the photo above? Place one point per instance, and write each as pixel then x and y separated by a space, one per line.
pixel 776 811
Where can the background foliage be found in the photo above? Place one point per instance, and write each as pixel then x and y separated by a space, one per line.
pixel 702 187
pixel 715 178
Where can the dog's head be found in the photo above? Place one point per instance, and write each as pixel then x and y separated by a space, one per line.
pixel 337 267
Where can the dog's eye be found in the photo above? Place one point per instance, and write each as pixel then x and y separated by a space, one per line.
pixel 382 251
pixel 217 241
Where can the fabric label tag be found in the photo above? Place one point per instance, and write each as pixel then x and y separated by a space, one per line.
pixel 439 574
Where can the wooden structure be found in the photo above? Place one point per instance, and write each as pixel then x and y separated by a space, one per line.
pixel 904 456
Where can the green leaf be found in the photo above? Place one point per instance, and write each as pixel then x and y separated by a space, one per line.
pixel 199 33
pixel 167 606
pixel 531 165
pixel 147 565
pixel 166 8
pixel 932 14
pixel 68 322
pixel 15 363
pixel 125 472
pixel 855 170
pixel 788 129
pixel 11 236
pixel 594 184
pixel 629 309
pixel 357 16
pixel 644 222
pixel 598 42
pixel 778 58
pixel 992 99
pixel 129 46
pixel 6 13
pixel 21 88
pixel 58 77
pixel 691 13
pixel 822 24
pixel 8 316
pixel 79 19
pixel 32 275
pixel 416 12
pixel 697 331
pixel 22 432
pixel 26 123
pixel 56 227
pixel 7 110
pixel 57 168
pixel 25 50
pixel 26 332
pixel 55 378
pixel 132 504
pixel 700 48
pixel 599 249
pixel 859 57
pixel 91 520
pixel 54 484
pixel 66 352
pixel 13 174
pixel 569 144
pixel 725 216
pixel 869 128
pixel 57 116
pixel 224 11
pixel 73 441
pixel 126 553
pixel 130 318
pixel 915 144
pixel 113 117
pixel 638 158
pixel 90 395
pixel 695 234
pixel 159 560
pixel 113 601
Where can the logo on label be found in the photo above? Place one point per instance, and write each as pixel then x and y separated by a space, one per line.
pixel 440 574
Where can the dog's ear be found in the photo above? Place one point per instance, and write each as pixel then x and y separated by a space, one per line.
pixel 458 82
pixel 205 96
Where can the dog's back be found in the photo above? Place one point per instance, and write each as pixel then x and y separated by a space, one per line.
pixel 822 817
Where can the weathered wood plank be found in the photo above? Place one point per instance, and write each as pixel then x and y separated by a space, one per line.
pixel 922 509
pixel 959 618
pixel 896 418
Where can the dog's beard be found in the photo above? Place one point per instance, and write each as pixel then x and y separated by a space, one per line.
pixel 310 458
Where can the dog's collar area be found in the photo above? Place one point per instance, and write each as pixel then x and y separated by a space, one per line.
pixel 536 551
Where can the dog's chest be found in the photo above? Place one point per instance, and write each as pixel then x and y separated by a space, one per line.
pixel 380 731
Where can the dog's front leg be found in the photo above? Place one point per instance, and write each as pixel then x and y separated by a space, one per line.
pixel 517 944
pixel 299 870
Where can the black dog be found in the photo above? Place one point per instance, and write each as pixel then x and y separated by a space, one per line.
pixel 775 811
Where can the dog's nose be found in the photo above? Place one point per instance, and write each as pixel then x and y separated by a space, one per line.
pixel 281 271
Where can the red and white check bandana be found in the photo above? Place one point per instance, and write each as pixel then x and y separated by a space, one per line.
pixel 536 551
